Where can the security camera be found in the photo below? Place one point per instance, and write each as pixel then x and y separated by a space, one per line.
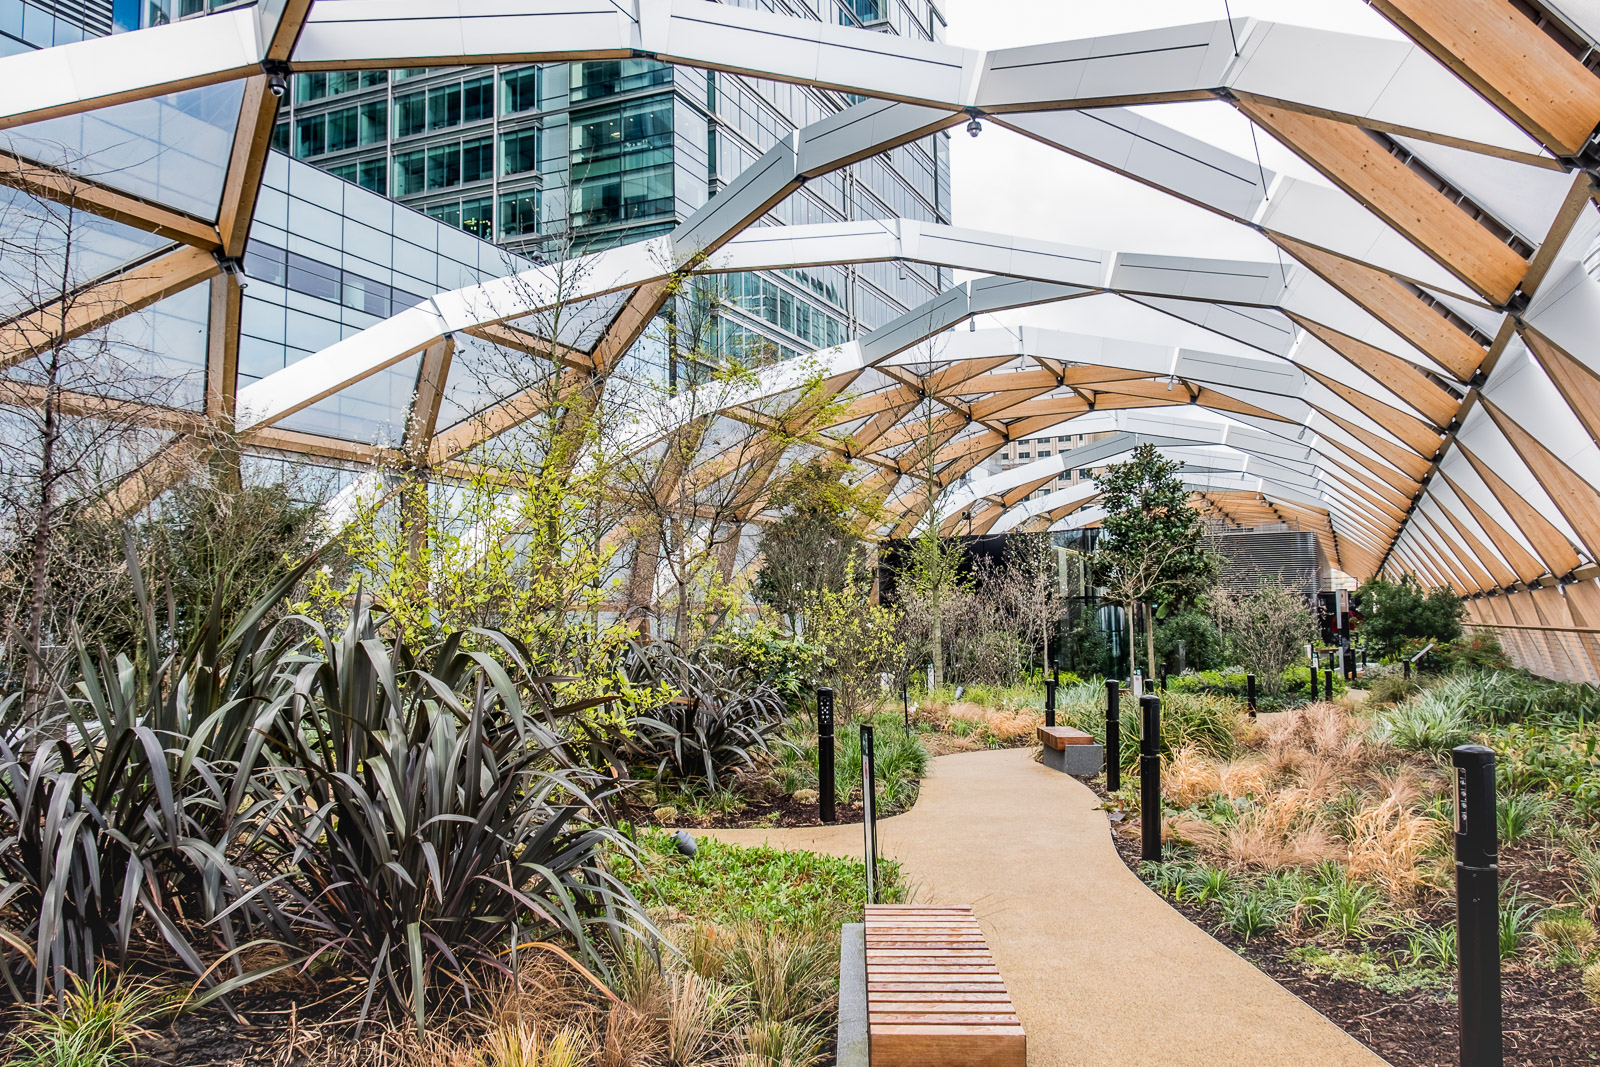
pixel 277 72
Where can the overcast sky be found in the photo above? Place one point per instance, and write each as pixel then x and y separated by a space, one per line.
pixel 1005 183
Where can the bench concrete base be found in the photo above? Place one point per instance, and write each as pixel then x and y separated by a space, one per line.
pixel 1076 759
pixel 852 1042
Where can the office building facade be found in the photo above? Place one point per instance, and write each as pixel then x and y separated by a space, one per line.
pixel 546 159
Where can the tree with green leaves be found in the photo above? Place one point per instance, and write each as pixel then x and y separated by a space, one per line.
pixel 1152 554
pixel 813 545
pixel 1395 612
pixel 1264 628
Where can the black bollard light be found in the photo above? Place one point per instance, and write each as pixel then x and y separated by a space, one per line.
pixel 869 811
pixel 1113 735
pixel 1163 679
pixel 1250 693
pixel 1327 684
pixel 1477 907
pixel 1150 779
pixel 1050 701
pixel 1405 669
pixel 825 797
pixel 1313 679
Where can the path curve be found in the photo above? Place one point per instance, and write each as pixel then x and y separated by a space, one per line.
pixel 1101 969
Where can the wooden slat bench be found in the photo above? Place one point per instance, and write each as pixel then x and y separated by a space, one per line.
pixel 1059 737
pixel 934 995
pixel 1071 751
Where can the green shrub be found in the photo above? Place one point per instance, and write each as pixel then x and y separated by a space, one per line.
pixel 1433 946
pixel 1391 689
pixel 1518 814
pixel 727 884
pixel 1250 913
pixel 1430 723
pixel 718 720
pixel 97 1025
pixel 1202 644
pixel 1516 922
pixel 787 664
pixel 1340 905
pixel 899 761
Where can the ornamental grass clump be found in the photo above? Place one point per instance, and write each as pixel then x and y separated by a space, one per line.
pixel 716 721
pixel 296 798
pixel 1432 723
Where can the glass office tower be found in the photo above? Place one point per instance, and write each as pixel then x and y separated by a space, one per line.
pixel 589 155
pixel 27 24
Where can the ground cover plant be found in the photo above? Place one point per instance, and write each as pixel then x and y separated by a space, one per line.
pixel 1319 845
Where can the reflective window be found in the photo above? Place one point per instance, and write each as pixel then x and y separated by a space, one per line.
pixel 410 169
pixel 519 213
pixel 374 121
pixel 311 136
pixel 608 77
pixel 444 165
pixel 477 98
pixel 448 213
pixel 520 152
pixel 373 174
pixel 444 106
pixel 477 217
pixel 410 114
pixel 519 91
pixel 477 159
pixel 343 130
pixel 308 87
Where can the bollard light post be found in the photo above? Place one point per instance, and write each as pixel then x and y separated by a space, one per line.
pixel 1477 907
pixel 1250 693
pixel 869 811
pixel 825 794
pixel 1050 701
pixel 1113 735
pixel 1150 779
pixel 1327 684
pixel 1163 679
pixel 1405 669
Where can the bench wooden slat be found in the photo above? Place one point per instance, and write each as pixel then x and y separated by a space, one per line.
pixel 1059 737
pixel 935 997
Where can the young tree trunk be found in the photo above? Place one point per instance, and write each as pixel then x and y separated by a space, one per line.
pixel 39 550
pixel 1132 666
pixel 1150 639
pixel 936 640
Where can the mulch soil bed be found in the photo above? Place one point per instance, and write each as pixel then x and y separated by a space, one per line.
pixel 1548 1022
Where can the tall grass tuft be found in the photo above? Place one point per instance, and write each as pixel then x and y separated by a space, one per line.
pixel 1434 722
pixel 97 1025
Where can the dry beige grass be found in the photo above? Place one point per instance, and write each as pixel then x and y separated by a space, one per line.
pixel 1190 777
pixel 1285 831
pixel 1389 844
pixel 1006 726
pixel 1305 767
